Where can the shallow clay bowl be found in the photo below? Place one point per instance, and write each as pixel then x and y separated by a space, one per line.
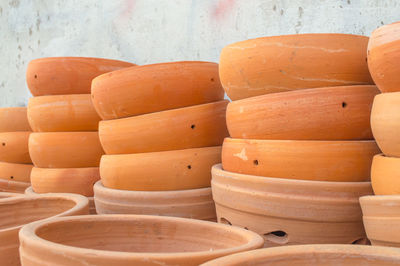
pixel 385 175
pixel 318 255
pixel 13 186
pixel 18 211
pixel 157 87
pixel 188 203
pixel 290 62
pixel 130 240
pixel 13 119
pixel 16 172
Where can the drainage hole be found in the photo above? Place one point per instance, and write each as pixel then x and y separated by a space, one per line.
pixel 193 126
pixel 12 177
pixel 4 144
pixel 344 104
pixel 189 167
pixel 255 162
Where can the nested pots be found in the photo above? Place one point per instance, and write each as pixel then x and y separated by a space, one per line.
pixel 385 175
pixel 13 119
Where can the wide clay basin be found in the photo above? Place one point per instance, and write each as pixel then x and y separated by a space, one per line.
pixel 14 119
pixel 13 186
pixel 16 172
pixel 124 240
pixel 14 147
pixel 385 175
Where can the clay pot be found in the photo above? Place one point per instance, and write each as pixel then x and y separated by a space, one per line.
pixel 13 119
pixel 6 195
pixel 385 175
pixel 184 128
pixel 65 149
pixel 14 147
pixel 130 240
pixel 160 171
pixel 287 211
pixel 342 161
pixel 192 203
pixel 385 122
pixel 333 113
pixel 317 255
pixel 18 211
pixel 73 112
pixel 290 62
pixel 67 75
pixel 172 85
pixel 15 171
pixel 13 186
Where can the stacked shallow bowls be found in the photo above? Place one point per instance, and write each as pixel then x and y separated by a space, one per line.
pixel 162 128
pixel 301 144
pixel 65 148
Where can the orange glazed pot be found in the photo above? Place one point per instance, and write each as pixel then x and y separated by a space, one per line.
pixel 13 119
pixel 192 203
pixel 169 85
pixel 342 161
pixel 159 171
pixel 385 122
pixel 184 128
pixel 14 147
pixel 317 255
pixel 15 171
pixel 385 175
pixel 65 149
pixel 290 212
pixel 290 62
pixel 17 211
pixel 73 112
pixel 67 75
pixel 124 240
pixel 333 113
pixel 13 186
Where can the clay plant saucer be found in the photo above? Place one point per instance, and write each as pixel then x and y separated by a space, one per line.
pixel 160 171
pixel 18 211
pixel 385 122
pixel 157 87
pixel 15 172
pixel 385 175
pixel 290 62
pixel 332 113
pixel 13 186
pixel 65 149
pixel 342 161
pixel 14 147
pixel 316 255
pixel 191 203
pixel 130 240
pixel 67 75
pixel 190 127
pixel 14 119
pixel 54 113
pixel 289 212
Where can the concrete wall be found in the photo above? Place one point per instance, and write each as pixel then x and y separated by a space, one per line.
pixel 150 31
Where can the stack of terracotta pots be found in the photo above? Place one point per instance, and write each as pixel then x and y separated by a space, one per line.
pixel 65 148
pixel 301 146
pixel 15 163
pixel 162 128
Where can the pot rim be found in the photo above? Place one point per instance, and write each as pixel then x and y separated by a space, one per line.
pixel 379 199
pixel 55 58
pixel 12 183
pixel 230 139
pixel 29 191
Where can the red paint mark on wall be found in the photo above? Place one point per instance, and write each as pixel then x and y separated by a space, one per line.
pixel 127 10
pixel 222 9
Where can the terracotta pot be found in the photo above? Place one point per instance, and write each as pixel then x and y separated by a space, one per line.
pixel 15 172
pixel 321 255
pixel 14 147
pixel 385 122
pixel 65 149
pixel 65 180
pixel 18 211
pixel 288 212
pixel 385 175
pixel 169 85
pixel 343 161
pixel 6 195
pixel 184 128
pixel 67 75
pixel 192 203
pixel 130 240
pixel 73 112
pixel 13 119
pixel 333 113
pixel 13 186
pixel 159 171
pixel 290 62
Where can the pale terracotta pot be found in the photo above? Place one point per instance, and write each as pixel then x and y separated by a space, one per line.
pixel 15 172
pixel 18 211
pixel 290 62
pixel 13 119
pixel 73 112
pixel 385 122
pixel 124 240
pixel 385 175
pixel 192 203
pixel 171 85
pixel 383 57
pixel 289 212
pixel 332 113
pixel 159 171
pixel 190 127
pixel 345 161
pixel 13 186
pixel 6 195
pixel 65 149
pixel 316 255
pixel 67 75
pixel 14 147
